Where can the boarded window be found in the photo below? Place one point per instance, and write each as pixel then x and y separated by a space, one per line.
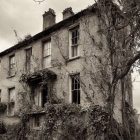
pixel 74 42
pixel 75 88
pixel 12 65
pixel 28 59
pixel 47 54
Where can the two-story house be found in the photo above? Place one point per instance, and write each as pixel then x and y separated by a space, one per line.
pixel 60 60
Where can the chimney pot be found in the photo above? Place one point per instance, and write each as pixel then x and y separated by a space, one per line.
pixel 68 12
pixel 48 18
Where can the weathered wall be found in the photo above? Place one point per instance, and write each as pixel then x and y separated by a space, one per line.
pixel 87 65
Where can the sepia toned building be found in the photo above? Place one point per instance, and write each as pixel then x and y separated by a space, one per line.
pixel 61 60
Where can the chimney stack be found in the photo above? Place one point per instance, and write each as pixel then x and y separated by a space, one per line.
pixel 67 13
pixel 48 18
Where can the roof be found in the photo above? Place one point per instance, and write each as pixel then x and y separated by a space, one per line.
pixel 49 30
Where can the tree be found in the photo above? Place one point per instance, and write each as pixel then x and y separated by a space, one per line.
pixel 126 49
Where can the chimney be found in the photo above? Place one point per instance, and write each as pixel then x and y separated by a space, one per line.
pixel 48 18
pixel 67 13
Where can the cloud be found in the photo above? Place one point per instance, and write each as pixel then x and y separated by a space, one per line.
pixel 25 16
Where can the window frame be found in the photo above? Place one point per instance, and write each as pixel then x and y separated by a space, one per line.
pixel 39 93
pixel 28 61
pixel 12 66
pixel 11 104
pixel 78 89
pixel 46 56
pixel 35 123
pixel 76 43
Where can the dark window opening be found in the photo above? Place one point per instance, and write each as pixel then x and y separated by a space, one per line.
pixel 11 101
pixel 44 95
pixel 0 95
pixel 39 96
pixel 28 59
pixel 12 65
pixel 36 121
pixel 75 86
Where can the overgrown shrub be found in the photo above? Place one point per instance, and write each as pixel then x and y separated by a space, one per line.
pixel 3 107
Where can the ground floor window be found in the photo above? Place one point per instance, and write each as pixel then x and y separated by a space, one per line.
pixel 40 94
pixel 75 88
pixel 11 101
pixel 36 121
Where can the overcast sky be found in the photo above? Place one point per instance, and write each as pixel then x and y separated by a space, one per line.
pixel 25 16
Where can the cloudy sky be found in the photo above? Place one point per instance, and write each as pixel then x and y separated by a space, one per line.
pixel 25 16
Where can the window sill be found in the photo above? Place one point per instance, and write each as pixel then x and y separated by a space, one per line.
pixel 73 58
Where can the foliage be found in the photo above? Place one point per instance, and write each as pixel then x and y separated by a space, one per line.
pixel 16 131
pixel 3 107
pixel 72 122
pixel 2 128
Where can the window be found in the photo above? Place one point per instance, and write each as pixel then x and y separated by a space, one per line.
pixel 36 121
pixel 11 94
pixel 12 65
pixel 75 88
pixel 28 59
pixel 0 95
pixel 47 54
pixel 40 95
pixel 74 42
pixel 11 100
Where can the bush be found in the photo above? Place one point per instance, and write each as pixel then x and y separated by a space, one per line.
pixel 3 107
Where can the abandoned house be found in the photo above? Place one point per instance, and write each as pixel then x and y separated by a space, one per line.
pixel 60 60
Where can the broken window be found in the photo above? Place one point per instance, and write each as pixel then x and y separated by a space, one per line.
pixel 28 59
pixel 11 101
pixel 75 88
pixel 47 54
pixel 74 41
pixel 12 65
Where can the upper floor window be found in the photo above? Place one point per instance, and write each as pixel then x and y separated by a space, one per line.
pixel 75 88
pixel 47 54
pixel 12 65
pixel 74 40
pixel 28 59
